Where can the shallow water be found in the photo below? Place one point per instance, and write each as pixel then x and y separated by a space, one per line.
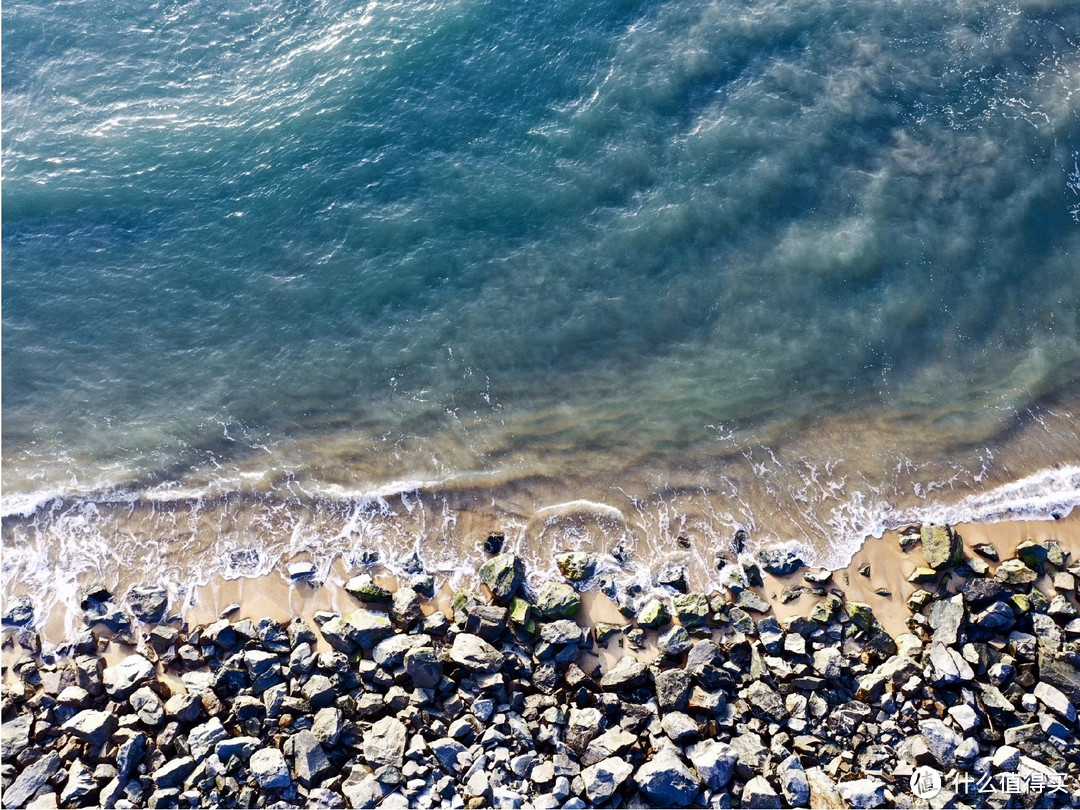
pixel 297 279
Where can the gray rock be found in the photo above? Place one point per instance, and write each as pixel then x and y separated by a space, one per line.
pixel 472 652
pixel 203 738
pixel 79 786
pixel 714 761
pixel 576 565
pixel 674 641
pixel 1014 572
pixel 268 767
pixel 1060 673
pixel 765 702
pixel 390 652
pixel 829 662
pixel 173 772
pixel 628 673
pixel 563 631
pixel 583 727
pixel 147 706
pixel 448 752
pixel 603 779
pixel 667 781
pixel 184 707
pixel 366 628
pixel 15 736
pixel 672 689
pixel 862 793
pixel 997 618
pixel 28 783
pixel 405 609
pixel 942 741
pixel 130 754
pixel 793 782
pixel 384 744
pixel 758 793
pixel 124 678
pixel 1056 701
pixel 310 762
pixel 948 666
pixel 680 728
pixel 241 747
pixel 945 618
pixel 780 561
pixel 148 602
pixel 612 742
pixel 92 727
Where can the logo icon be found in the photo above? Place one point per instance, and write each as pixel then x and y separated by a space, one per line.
pixel 925 782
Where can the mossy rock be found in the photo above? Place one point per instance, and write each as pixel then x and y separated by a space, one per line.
pixel 557 600
pixel 503 575
pixel 1015 572
pixel 463 599
pixel 941 546
pixel 862 616
pixel 521 614
pixel 923 576
pixel 1039 601
pixel 692 609
pixel 748 600
pixel 825 611
pixel 653 615
pixel 603 632
pixel 364 589
pixel 1020 602
pixel 1055 554
pixel 576 565
pixel 733 578
pixel 918 600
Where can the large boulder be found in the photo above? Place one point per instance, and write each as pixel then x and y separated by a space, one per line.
pixel 758 793
pixel 780 561
pixel 941 546
pixel 93 727
pixel 576 565
pixel 127 676
pixel 503 575
pixel 384 744
pixel 148 602
pixel 557 600
pixel 714 761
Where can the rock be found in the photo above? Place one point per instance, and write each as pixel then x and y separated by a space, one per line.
pixel 472 652
pixel 15 736
pixel 1006 758
pixel 503 575
pixel 1060 673
pixel 448 752
pixel 582 728
pixel 268 767
pixel 862 793
pixel 557 600
pixel 147 706
pixel 941 546
pixel 309 760
pixel 576 565
pixel 986 550
pixel 130 754
pixel 92 727
pixel 366 628
pixel 997 618
pixel 494 543
pixel 748 600
pixel 405 608
pixel 1032 554
pixel 32 780
pixel 680 728
pixel 765 702
pixel 667 781
pixel 148 602
pixel 758 793
pixel 20 612
pixel 601 780
pixel 674 641
pixel 823 792
pixel 563 632
pixel 653 615
pixel 627 674
pixel 948 666
pixel 691 609
pixel 301 570
pixel 612 742
pixel 714 761
pixel 978 593
pixel 793 783
pixel 941 740
pixel 672 689
pixel 124 678
pixel 384 744
pixel 673 575
pixel 825 611
pixel 829 663
pixel 945 619
pixel 1054 699
pixel 1014 572
pixel 862 616
pixel 424 667
pixel 203 738
pixel 173 772
pixel 363 587
pixel 781 561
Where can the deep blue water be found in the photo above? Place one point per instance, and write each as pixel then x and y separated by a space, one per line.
pixel 543 251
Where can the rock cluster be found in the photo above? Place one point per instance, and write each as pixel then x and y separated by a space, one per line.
pixel 493 707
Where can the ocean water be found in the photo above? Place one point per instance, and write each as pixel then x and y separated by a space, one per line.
pixel 296 279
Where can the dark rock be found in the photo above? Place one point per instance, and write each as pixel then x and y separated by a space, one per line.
pixel 310 762
pixel 494 543
pixel 674 641
pixel 557 600
pixel 503 575
pixel 673 689
pixel 148 602
pixel 576 565
pixel 978 593
pixel 20 612
pixel 173 773
pixel 765 702
pixel 988 551
pixel 405 608
pixel 673 576
pixel 780 561
pixel 1062 674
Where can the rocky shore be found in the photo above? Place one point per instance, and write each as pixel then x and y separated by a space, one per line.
pixel 501 700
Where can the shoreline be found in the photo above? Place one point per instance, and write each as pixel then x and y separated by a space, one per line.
pixel 745 701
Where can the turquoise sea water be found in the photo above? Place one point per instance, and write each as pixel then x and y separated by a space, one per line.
pixel 282 277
